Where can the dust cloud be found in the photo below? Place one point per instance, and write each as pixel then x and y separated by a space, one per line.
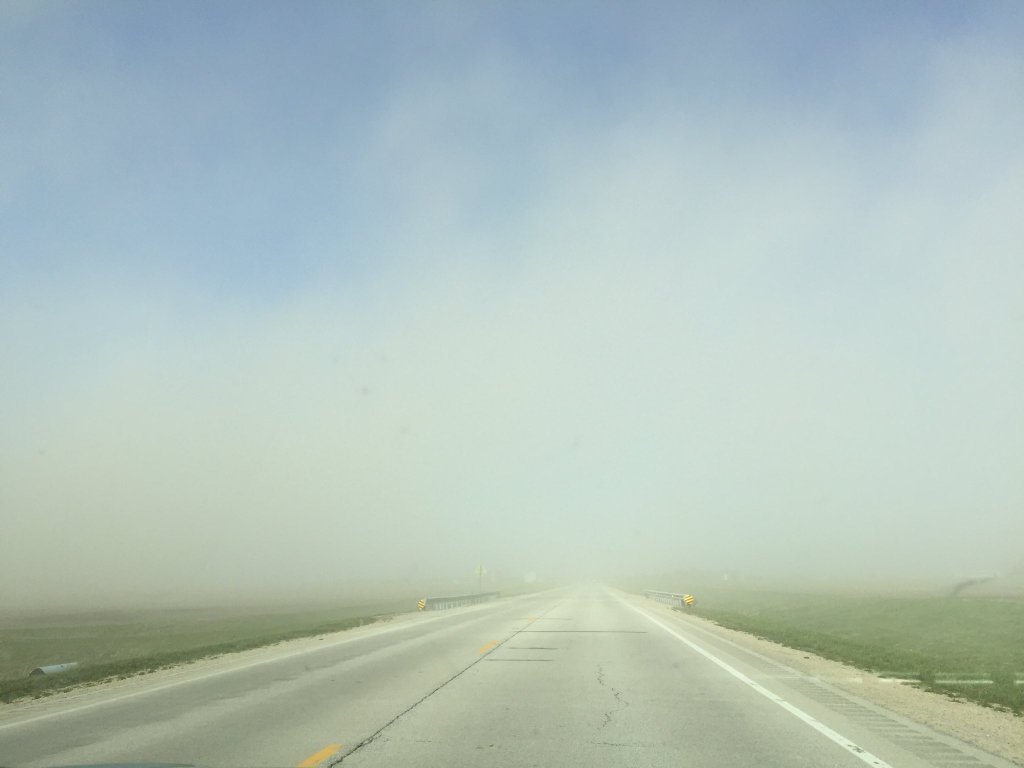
pixel 581 312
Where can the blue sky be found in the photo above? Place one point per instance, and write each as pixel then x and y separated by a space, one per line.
pixel 674 267
pixel 173 111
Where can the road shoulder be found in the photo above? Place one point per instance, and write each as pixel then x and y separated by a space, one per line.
pixel 1000 733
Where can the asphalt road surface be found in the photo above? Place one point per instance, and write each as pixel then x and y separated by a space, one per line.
pixel 578 677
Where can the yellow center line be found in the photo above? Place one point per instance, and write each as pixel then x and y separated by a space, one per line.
pixel 318 757
pixel 488 646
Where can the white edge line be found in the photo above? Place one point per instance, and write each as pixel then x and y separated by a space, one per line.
pixel 816 724
pixel 385 629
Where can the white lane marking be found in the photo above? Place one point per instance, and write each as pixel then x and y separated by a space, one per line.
pixel 816 724
pixel 387 629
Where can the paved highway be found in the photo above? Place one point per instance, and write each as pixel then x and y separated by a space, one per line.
pixel 578 677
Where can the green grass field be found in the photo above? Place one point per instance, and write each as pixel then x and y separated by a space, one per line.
pixel 119 644
pixel 926 638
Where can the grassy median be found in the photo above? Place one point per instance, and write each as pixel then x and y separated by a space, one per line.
pixel 934 640
pixel 120 644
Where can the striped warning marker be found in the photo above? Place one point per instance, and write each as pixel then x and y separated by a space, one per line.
pixel 688 599
pixel 421 604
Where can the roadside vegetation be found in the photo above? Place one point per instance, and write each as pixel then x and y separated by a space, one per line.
pixel 930 639
pixel 121 644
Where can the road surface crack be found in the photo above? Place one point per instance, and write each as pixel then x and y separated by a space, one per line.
pixel 376 734
pixel 616 694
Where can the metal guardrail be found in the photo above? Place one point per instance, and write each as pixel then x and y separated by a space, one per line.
pixel 457 601
pixel 672 598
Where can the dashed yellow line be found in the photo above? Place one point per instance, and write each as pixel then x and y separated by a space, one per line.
pixel 488 646
pixel 318 757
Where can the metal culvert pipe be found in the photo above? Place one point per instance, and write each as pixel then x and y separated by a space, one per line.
pixel 53 669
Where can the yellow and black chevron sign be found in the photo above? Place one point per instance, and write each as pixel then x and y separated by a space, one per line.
pixel 421 604
pixel 688 599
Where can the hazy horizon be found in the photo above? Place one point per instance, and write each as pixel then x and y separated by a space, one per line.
pixel 355 294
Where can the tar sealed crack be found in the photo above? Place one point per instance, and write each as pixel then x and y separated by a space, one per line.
pixel 616 694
